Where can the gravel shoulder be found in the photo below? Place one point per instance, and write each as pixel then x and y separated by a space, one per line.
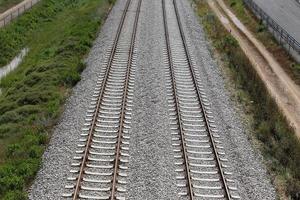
pixel 51 179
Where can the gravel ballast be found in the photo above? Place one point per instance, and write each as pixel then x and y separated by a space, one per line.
pixel 151 174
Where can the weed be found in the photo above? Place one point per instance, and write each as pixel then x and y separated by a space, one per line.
pixel 261 27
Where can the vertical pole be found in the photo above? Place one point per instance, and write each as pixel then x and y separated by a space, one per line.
pixel 280 37
pixel 288 40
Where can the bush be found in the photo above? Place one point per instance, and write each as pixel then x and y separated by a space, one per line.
pixel 12 182
pixel 261 28
pixel 15 195
pixel 264 132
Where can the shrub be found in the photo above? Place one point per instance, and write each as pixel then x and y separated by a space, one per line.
pixel 15 195
pixel 11 183
pixel 261 28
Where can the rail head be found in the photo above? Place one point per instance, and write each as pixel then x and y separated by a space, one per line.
pixel 122 117
pixel 207 124
pixel 181 132
pixel 99 100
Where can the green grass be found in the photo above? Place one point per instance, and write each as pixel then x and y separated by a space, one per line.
pixel 276 140
pixel 58 34
pixel 6 4
pixel 262 33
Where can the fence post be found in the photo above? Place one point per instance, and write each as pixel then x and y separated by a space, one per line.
pixel 280 36
pixel 288 41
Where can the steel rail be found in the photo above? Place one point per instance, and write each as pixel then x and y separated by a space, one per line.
pixel 99 100
pixel 122 117
pixel 219 165
pixel 170 60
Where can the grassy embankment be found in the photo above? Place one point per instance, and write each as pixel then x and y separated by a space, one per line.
pixel 262 33
pixel 58 34
pixel 269 129
pixel 6 4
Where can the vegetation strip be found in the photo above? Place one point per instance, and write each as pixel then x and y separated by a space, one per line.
pixel 58 34
pixel 277 142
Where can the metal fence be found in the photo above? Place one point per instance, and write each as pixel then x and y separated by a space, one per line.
pixel 19 9
pixel 278 31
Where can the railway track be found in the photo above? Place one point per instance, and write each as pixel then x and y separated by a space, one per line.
pixel 99 170
pixel 201 164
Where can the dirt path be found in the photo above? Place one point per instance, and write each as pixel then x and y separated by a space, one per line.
pixel 15 11
pixel 281 87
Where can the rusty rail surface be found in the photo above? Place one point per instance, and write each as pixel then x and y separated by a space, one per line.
pixel 180 122
pixel 86 152
pixel 106 83
pixel 189 181
pixel 208 128
pixel 116 164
